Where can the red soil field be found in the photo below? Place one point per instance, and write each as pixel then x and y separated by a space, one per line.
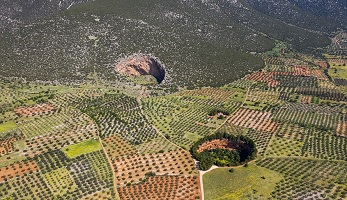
pixel 301 71
pixel 162 188
pixel 34 110
pixel 17 169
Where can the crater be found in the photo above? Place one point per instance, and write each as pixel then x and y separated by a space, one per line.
pixel 141 64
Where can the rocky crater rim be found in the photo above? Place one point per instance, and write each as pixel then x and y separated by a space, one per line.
pixel 141 64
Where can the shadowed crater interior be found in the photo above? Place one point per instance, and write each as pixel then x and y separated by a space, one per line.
pixel 141 64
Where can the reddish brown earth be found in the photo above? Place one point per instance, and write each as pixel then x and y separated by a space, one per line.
pixel 17 169
pixel 216 144
pixel 163 187
pixel 141 64
pixel 34 110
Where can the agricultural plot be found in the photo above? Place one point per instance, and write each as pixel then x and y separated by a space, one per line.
pixel 308 115
pixel 27 186
pixel 51 161
pixel 261 139
pixel 319 74
pixel 210 93
pixel 305 99
pixel 41 109
pixel 232 129
pixel 131 169
pixel 279 68
pixel 322 93
pixel 157 145
pixel 279 146
pixel 119 114
pixel 18 169
pixel 163 187
pixel 301 70
pixel 103 194
pixel 264 96
pixel 265 77
pixel 258 120
pixel 185 119
pixel 340 82
pixel 325 145
pixel 284 96
pixel 341 129
pixel 291 131
pixel 306 177
pixel 7 127
pixel 81 128
pixel 241 83
pixel 117 147
pixel 296 81
pixel 44 125
pixel 8 140
pixel 59 181
pixel 270 60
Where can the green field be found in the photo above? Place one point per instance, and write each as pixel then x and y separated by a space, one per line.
pixel 7 126
pixel 82 148
pixel 249 182
pixel 337 70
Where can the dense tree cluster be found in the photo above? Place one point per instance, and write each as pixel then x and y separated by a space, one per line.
pixel 244 151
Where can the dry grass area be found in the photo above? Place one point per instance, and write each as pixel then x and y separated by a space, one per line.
pixel 117 147
pixel 306 99
pixel 341 129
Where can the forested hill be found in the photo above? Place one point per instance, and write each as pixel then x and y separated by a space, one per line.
pixel 209 42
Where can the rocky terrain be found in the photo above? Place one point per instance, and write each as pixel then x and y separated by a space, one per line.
pixel 68 40
pixel 141 64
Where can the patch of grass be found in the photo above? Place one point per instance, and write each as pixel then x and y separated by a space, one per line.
pixel 338 71
pixel 143 80
pixel 249 182
pixel 7 126
pixel 82 148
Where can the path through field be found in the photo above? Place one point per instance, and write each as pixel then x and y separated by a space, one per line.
pixel 108 159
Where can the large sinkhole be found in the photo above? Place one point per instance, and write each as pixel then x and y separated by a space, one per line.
pixel 141 64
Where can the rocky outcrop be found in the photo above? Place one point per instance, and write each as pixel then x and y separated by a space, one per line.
pixel 141 64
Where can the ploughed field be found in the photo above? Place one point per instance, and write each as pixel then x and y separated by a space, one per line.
pixel 105 140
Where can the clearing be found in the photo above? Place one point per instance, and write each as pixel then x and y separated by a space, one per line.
pixel 82 148
pixel 244 183
pixel 7 126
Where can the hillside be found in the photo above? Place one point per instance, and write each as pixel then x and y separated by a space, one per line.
pixel 215 40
